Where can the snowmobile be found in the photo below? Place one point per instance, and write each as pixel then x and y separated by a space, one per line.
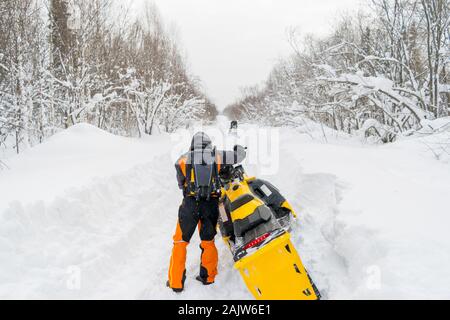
pixel 255 222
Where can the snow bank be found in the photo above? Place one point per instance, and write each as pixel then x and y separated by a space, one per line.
pixel 91 215
pixel 70 159
pixel 435 136
pixel 374 219
pixel 435 126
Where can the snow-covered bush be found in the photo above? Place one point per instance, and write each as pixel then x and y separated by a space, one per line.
pixel 374 130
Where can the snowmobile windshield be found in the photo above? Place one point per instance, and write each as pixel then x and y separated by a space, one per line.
pixel 234 157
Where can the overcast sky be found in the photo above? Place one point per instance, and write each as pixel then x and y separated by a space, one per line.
pixel 234 43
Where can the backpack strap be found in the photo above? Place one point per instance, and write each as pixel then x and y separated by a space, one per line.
pixel 217 185
pixel 189 189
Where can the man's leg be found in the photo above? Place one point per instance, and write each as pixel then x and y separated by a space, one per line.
pixel 209 214
pixel 187 222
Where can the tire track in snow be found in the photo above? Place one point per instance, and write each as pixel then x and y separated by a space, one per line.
pixel 101 229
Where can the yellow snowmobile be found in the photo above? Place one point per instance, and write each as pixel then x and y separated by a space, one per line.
pixel 255 222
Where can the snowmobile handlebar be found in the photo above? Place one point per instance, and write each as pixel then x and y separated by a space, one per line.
pixel 230 173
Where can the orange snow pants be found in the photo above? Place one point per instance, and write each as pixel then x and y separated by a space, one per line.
pixel 192 214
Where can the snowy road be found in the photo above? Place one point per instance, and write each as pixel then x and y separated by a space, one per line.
pixel 90 215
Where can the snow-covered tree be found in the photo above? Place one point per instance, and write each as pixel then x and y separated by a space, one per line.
pixel 63 62
pixel 381 73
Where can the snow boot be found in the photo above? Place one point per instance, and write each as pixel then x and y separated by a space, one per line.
pixel 173 289
pixel 204 281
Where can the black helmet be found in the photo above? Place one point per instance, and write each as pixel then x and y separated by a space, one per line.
pixel 201 141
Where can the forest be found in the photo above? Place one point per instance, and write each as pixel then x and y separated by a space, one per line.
pixel 64 62
pixel 379 73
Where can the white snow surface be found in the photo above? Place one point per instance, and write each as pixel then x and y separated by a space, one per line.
pixel 101 209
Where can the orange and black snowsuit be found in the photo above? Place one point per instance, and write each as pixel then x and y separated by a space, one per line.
pixel 194 212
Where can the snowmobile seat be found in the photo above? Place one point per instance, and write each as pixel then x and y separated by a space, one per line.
pixel 226 224
pixel 241 201
pixel 261 215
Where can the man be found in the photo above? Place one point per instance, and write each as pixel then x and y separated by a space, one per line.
pixel 233 128
pixel 198 178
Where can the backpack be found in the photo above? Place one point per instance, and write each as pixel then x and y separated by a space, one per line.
pixel 202 174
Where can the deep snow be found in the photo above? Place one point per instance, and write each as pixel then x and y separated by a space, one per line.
pixel 373 219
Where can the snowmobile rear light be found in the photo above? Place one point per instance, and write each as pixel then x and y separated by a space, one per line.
pixel 256 241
